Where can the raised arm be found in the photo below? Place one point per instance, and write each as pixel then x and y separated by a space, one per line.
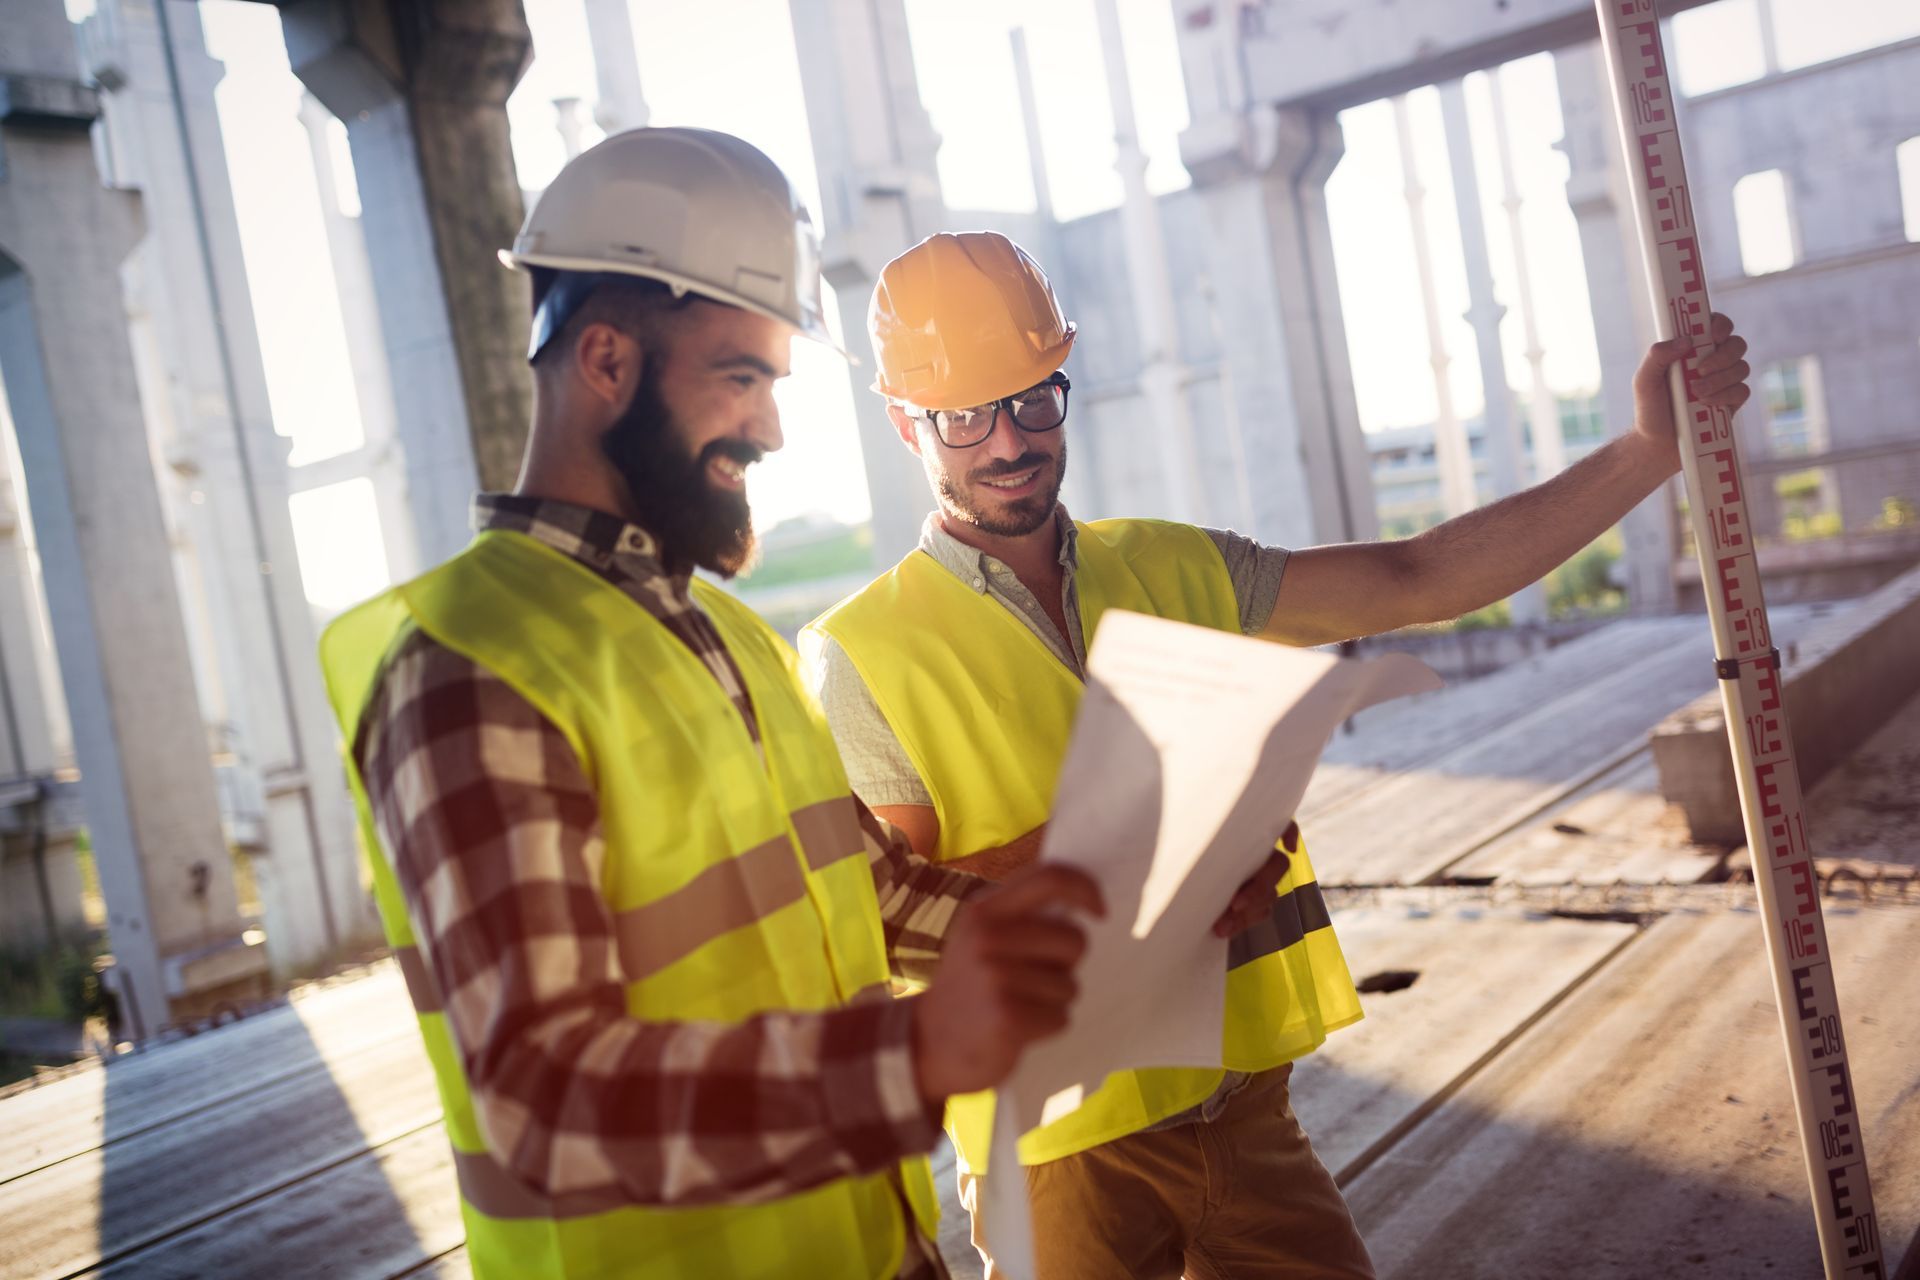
pixel 1354 589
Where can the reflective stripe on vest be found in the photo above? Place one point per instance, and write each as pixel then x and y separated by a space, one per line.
pixel 737 887
pixel 984 709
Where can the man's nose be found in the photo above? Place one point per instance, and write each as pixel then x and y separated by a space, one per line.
pixel 1007 441
pixel 764 429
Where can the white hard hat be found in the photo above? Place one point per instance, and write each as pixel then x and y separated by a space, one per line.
pixel 699 210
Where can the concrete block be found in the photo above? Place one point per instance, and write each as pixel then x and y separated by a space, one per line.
pixel 1840 683
pixel 228 968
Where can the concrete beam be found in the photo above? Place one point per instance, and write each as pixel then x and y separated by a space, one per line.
pixel 422 86
pixel 1332 54
pixel 1840 684
pixel 146 779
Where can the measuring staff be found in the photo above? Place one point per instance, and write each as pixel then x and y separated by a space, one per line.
pixel 1745 659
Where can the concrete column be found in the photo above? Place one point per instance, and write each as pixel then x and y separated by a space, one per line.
pixel 616 66
pixel 1543 409
pixel 1453 459
pixel 1262 175
pixel 26 721
pixel 873 148
pixel 422 87
pixel 34 674
pixel 1030 122
pixel 1163 378
pixel 381 459
pixel 1769 38
pixel 42 896
pixel 210 414
pixel 1622 325
pixel 146 780
pixel 1501 430
pixel 567 123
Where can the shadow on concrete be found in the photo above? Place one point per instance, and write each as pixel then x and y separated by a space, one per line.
pixel 1468 1193
pixel 246 1117
pixel 1520 1200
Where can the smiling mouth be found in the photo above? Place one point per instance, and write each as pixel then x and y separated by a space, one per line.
pixel 1018 480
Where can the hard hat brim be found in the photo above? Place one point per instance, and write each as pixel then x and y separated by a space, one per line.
pixel 680 284
pixel 1052 359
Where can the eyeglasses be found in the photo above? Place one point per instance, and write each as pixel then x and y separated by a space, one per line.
pixel 1041 407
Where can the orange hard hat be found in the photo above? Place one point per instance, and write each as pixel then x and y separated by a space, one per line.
pixel 959 320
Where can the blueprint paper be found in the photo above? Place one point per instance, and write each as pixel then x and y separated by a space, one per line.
pixel 1190 753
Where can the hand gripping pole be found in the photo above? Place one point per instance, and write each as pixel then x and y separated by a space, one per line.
pixel 1746 662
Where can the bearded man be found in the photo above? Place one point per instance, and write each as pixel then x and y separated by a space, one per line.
pixel 647 929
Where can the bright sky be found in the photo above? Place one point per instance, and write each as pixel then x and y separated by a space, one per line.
pixel 729 64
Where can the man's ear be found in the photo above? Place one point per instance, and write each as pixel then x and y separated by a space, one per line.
pixel 609 363
pixel 905 427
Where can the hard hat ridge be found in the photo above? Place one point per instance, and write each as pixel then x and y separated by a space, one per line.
pixel 961 319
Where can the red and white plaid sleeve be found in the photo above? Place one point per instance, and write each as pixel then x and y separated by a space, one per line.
pixel 917 898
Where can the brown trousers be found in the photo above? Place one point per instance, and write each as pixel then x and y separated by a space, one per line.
pixel 1239 1197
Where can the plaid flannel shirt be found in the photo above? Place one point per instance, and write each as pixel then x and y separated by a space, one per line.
pixel 495 837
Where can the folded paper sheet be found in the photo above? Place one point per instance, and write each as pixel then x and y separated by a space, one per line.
pixel 1191 751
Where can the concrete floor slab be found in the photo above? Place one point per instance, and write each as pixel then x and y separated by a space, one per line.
pixel 1868 808
pixel 1484 976
pixel 1408 732
pixel 111 1201
pixel 381 1214
pixel 1485 1124
pixel 70 1116
pixel 1644 1127
pixel 1617 830
pixel 1420 822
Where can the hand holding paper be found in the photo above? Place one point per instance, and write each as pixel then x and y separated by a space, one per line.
pixel 1005 979
pixel 1191 751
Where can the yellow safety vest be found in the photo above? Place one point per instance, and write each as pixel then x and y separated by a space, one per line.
pixel 737 888
pixel 984 709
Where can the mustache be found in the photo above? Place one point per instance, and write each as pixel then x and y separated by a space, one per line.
pixel 1025 462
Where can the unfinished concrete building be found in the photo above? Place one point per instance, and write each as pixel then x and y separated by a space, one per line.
pixel 156 687
pixel 1218 388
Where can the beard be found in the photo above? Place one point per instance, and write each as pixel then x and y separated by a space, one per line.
pixel 695 523
pixel 969 499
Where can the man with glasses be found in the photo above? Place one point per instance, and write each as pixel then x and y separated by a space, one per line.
pixel 950 684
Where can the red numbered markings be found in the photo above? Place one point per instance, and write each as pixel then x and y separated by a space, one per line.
pixel 1711 426
pixel 1686 287
pixel 1726 508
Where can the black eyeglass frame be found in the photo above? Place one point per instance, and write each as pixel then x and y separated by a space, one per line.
pixel 1004 405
